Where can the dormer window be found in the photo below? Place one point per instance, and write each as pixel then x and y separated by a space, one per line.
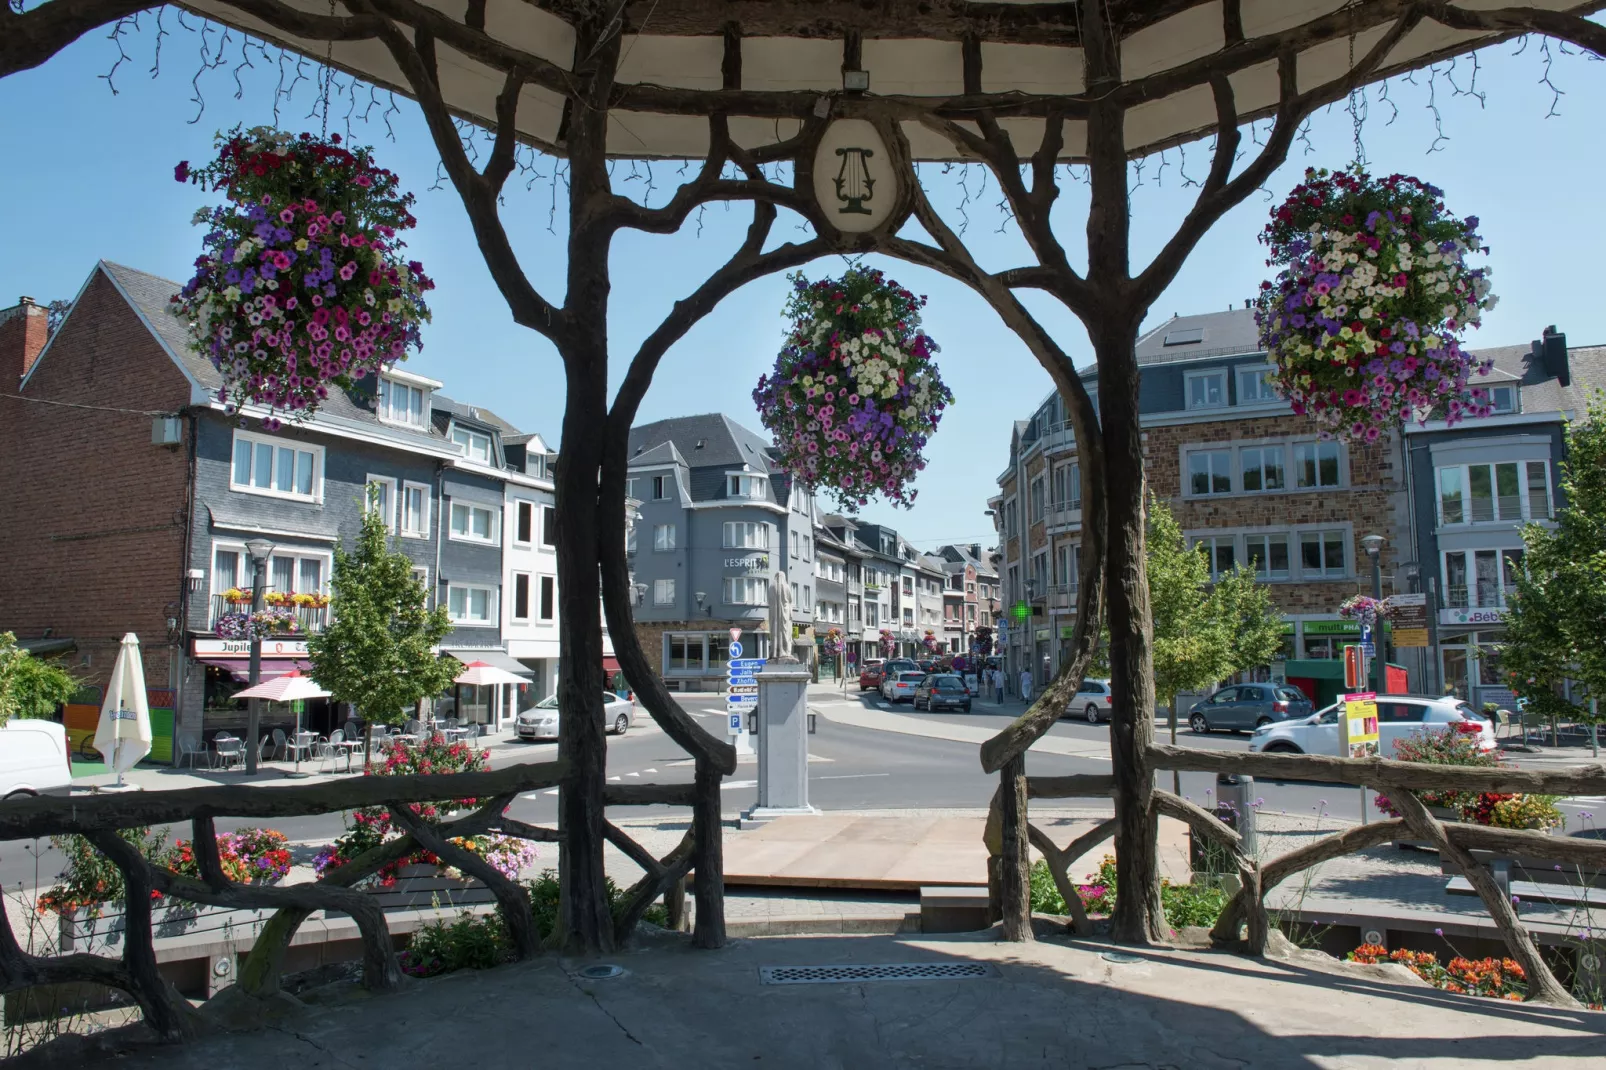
pixel 1503 398
pixel 476 444
pixel 403 402
pixel 744 486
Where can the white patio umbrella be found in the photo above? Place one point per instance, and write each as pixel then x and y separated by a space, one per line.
pixel 291 687
pixel 481 674
pixel 123 735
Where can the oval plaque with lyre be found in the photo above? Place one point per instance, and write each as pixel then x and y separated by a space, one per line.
pixel 854 179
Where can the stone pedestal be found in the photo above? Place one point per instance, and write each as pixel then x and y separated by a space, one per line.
pixel 782 743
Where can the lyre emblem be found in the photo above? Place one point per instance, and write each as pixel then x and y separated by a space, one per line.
pixel 854 185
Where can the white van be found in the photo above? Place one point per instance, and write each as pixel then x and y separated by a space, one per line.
pixel 33 759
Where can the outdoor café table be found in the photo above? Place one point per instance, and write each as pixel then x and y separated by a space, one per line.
pixel 228 749
pixel 303 745
pixel 349 748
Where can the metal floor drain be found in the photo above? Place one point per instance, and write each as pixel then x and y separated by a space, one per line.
pixel 897 971
pixel 1121 957
pixel 601 973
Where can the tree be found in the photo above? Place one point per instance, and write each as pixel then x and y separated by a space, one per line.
pixel 30 686
pixel 378 650
pixel 1556 623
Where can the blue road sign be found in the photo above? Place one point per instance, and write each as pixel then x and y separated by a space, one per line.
pixel 736 723
pixel 743 678
pixel 746 663
pixel 1368 650
pixel 741 700
pixel 735 649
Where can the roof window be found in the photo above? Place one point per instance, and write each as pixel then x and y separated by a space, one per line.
pixel 1186 337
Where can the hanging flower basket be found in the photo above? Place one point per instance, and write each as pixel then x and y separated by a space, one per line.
pixel 854 394
pixel 300 286
pixel 1363 323
pixel 889 643
pixel 1365 609
pixel 275 620
pixel 831 646
pixel 929 641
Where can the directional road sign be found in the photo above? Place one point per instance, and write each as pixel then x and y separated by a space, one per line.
pixel 744 689
pixel 743 678
pixel 747 663
pixel 741 700
pixel 735 649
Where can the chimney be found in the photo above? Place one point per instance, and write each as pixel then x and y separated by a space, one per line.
pixel 975 550
pixel 1552 349
pixel 24 329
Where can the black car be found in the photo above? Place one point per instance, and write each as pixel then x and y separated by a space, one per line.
pixel 942 691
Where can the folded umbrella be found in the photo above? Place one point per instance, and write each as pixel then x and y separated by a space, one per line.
pixel 123 735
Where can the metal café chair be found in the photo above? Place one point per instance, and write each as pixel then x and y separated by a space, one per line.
pixel 188 751
pixel 230 751
pixel 280 744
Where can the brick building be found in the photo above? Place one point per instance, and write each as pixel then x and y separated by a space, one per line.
pixel 1247 479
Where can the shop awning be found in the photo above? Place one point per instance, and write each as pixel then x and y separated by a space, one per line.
pixel 611 665
pixel 240 668
pixel 497 658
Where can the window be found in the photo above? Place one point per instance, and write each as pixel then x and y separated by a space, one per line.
pixel 1316 464
pixel 908 617
pixel 662 487
pixel 524 528
pixel 795 601
pixel 1268 554
pixel 1479 493
pixel 415 510
pixel 1452 497
pixel 1538 490
pixel 1066 560
pixel 663 592
pixel 1037 500
pixel 1206 390
pixel 663 537
pixel 808 597
pixel 264 465
pixel 1254 386
pixel 746 486
pixel 872 615
pixel 1480 578
pixel 470 605
pixel 1220 553
pixel 1263 468
pixel 1210 472
pixel 1503 398
pixel 521 596
pixel 747 591
pixel 1068 487
pixel 381 499
pixel 473 523
pixel 791 544
pixel 402 403
pixel 631 488
pixel 549 526
pixel 1321 553
pixel 476 444
pixel 421 574
pixel 549 597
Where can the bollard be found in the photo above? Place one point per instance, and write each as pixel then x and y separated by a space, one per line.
pixel 1235 806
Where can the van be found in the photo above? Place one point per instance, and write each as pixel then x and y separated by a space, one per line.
pixel 33 759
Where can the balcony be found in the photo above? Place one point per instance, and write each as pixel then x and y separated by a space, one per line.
pixel 1488 595
pixel 1062 597
pixel 309 618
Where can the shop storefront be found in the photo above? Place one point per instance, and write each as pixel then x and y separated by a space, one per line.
pixel 226 665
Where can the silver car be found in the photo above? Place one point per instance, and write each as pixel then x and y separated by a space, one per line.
pixel 541 720
pixel 1092 701
pixel 900 687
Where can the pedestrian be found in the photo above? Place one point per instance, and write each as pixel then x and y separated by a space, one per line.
pixel 1026 685
pixel 998 685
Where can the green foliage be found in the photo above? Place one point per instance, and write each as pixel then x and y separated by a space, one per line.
pixel 377 651
pixel 30 686
pixel 1556 621
pixel 90 879
pixel 469 942
pixel 1184 904
pixel 1450 747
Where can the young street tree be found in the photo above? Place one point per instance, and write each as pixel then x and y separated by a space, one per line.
pixel 378 651
pixel 1556 623
pixel 30 686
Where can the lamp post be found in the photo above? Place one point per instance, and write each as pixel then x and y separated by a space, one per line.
pixel 1373 545
pixel 259 551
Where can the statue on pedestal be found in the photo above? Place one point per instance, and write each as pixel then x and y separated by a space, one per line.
pixel 780 619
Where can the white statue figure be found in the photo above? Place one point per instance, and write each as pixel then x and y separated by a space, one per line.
pixel 780 619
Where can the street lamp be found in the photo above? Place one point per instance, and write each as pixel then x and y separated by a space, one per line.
pixel 259 551
pixel 1373 545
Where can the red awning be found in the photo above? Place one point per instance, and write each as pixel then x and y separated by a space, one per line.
pixel 610 665
pixel 240 668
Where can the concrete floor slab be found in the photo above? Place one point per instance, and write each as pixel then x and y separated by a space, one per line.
pixel 1050 1004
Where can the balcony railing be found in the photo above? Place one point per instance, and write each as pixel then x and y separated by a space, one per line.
pixel 1062 596
pixel 308 618
pixel 1478 596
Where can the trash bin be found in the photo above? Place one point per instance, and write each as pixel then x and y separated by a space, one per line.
pixel 1235 798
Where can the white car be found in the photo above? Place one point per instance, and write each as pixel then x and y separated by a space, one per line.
pixel 1092 701
pixel 900 687
pixel 1398 717
pixel 541 720
pixel 34 759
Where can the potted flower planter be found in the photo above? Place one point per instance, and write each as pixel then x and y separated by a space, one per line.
pixel 85 930
pixel 420 886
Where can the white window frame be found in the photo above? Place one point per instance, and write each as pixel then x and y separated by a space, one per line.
pixel 1225 453
pixel 392 499
pixel 541 587
pixel 1524 492
pixel 401 510
pixel 746 591
pixel 663 487
pixel 276 444
pixel 1317 447
pixel 468 535
pixel 492 608
pixel 630 487
pixel 513 602
pixel 243 574
pixel 549 529
pixel 1261 375
pixel 385 408
pixel 663 592
pixel 1189 378
pixel 1502 559
pixel 663 538
pixel 1514 396
pixel 519 505
pixel 759 530
pixel 1280 451
pixel 745 485
pixel 421 573
pixel 473 437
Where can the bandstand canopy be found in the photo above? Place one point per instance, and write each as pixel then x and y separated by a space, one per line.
pixel 768 63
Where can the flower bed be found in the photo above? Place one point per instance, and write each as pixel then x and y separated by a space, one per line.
pixel 854 393
pixel 300 285
pixel 1497 978
pixel 1363 323
pixel 1184 904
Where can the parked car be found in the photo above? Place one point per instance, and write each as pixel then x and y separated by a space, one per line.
pixel 1092 701
pixel 34 759
pixel 870 675
pixel 541 720
pixel 900 686
pixel 1398 717
pixel 940 691
pixel 897 665
pixel 1244 707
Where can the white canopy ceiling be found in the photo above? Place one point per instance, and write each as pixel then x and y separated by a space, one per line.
pixel 792 51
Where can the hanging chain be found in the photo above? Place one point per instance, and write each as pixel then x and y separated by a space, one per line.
pixel 1356 95
pixel 329 75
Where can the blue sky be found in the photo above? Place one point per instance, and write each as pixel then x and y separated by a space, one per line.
pixel 89 175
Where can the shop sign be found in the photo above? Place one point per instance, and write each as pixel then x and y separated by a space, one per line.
pixel 1485 615
pixel 1332 627
pixel 1408 619
pixel 1042 635
pixel 1066 630
pixel 752 563
pixel 241 648
pixel 1360 734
